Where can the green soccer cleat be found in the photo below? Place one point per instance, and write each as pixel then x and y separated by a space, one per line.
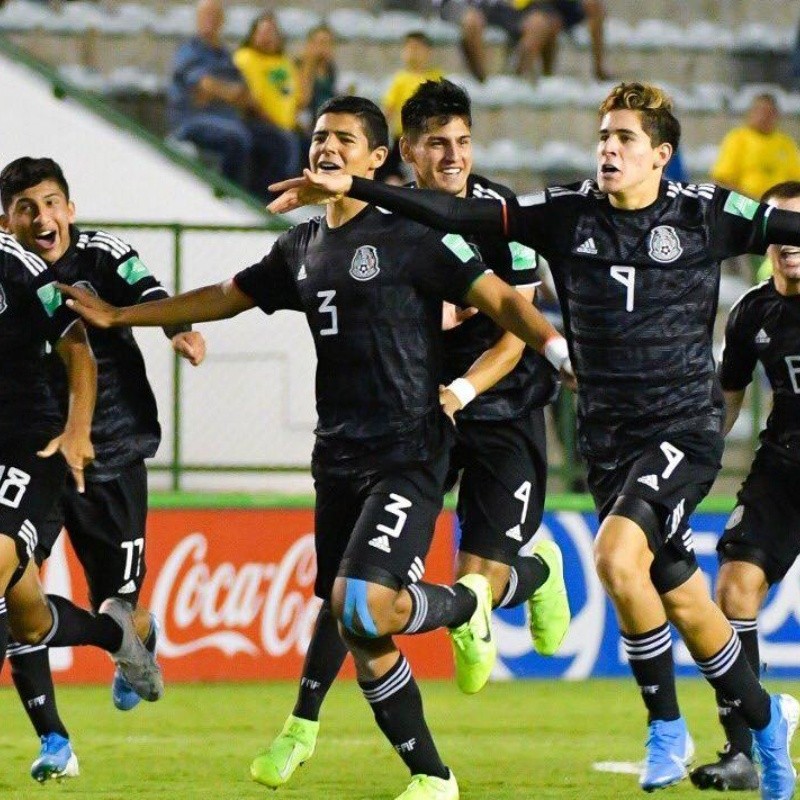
pixel 474 647
pixel 428 787
pixel 293 746
pixel 548 606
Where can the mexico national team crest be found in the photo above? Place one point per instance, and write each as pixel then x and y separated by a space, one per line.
pixel 364 265
pixel 665 246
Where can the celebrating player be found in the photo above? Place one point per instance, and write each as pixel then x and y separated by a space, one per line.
pixel 106 522
pixel 761 540
pixel 496 389
pixel 636 264
pixel 371 286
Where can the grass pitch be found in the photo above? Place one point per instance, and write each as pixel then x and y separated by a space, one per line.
pixel 528 740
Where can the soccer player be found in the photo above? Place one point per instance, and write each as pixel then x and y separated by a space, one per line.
pixel 36 447
pixel 636 264
pixel 107 522
pixel 371 286
pixel 496 390
pixel 761 540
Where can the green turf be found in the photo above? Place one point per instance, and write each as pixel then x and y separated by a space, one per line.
pixel 533 740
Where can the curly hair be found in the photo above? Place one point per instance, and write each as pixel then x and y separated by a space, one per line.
pixel 654 107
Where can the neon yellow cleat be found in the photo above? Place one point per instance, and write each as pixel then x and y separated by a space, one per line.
pixel 474 647
pixel 293 746
pixel 428 787
pixel 548 606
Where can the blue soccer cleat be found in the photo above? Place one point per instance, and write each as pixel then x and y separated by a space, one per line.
pixel 772 745
pixel 670 750
pixel 123 694
pixel 56 759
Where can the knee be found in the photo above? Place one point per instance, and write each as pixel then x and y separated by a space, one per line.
pixel 367 610
pixel 620 573
pixel 31 631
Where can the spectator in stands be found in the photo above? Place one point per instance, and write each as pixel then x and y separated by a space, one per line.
pixel 532 27
pixel 757 155
pixel 417 56
pixel 541 23
pixel 317 74
pixel 271 77
pixel 211 106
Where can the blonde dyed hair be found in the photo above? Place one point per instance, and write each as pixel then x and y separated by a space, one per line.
pixel 654 106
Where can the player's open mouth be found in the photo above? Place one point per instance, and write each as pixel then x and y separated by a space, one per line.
pixel 46 238
pixel 327 166
pixel 608 169
pixel 452 171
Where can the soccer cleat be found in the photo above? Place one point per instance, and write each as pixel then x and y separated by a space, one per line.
pixel 733 772
pixel 474 646
pixel 670 750
pixel 136 663
pixel 429 787
pixel 548 606
pixel 123 694
pixel 772 745
pixel 293 746
pixel 56 759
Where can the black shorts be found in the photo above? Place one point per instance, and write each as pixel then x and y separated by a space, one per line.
pixel 106 526
pixel 498 13
pixel 672 475
pixel 764 528
pixel 29 487
pixel 503 478
pixel 377 527
pixel 570 13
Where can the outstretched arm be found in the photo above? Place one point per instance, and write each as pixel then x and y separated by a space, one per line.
pixel 219 301
pixel 430 207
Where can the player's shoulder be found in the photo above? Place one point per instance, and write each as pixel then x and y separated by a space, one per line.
pixel 580 194
pixel 101 245
pixel 752 299
pixel 692 193
pixel 13 256
pixel 485 189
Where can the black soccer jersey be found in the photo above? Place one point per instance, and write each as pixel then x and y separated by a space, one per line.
pixel 532 382
pixel 32 311
pixel 371 291
pixel 764 326
pixel 125 425
pixel 638 290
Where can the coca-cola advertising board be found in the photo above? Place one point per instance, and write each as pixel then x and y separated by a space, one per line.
pixel 233 590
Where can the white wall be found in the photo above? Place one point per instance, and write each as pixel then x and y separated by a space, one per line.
pixel 252 401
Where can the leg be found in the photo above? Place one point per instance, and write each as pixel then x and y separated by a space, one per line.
pixel 473 25
pixel 538 30
pixel 595 19
pixel 9 561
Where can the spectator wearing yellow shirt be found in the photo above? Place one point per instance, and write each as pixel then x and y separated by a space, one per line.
pixel 417 55
pixel 271 76
pixel 757 155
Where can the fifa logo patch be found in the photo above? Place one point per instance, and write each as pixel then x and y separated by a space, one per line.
pixel 364 266
pixel 665 246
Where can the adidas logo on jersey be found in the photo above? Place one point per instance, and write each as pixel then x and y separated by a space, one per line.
pixel 762 337
pixel 588 247
pixel 302 275
pixel 515 533
pixel 649 480
pixel 381 543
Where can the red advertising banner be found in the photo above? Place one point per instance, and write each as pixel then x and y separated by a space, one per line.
pixel 233 591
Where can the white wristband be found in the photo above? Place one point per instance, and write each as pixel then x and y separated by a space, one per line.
pixel 463 390
pixel 556 351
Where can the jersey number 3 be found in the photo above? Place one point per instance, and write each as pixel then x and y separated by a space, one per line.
pixel 327 307
pixel 626 276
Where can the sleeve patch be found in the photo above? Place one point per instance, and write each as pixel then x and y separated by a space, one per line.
pixel 458 246
pixel 50 298
pixel 741 206
pixel 522 257
pixel 132 270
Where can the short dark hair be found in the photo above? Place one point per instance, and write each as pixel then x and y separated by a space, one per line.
pixel 372 119
pixel 25 172
pixel 418 36
pixel 782 191
pixel 437 102
pixel 654 107
pixel 248 40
